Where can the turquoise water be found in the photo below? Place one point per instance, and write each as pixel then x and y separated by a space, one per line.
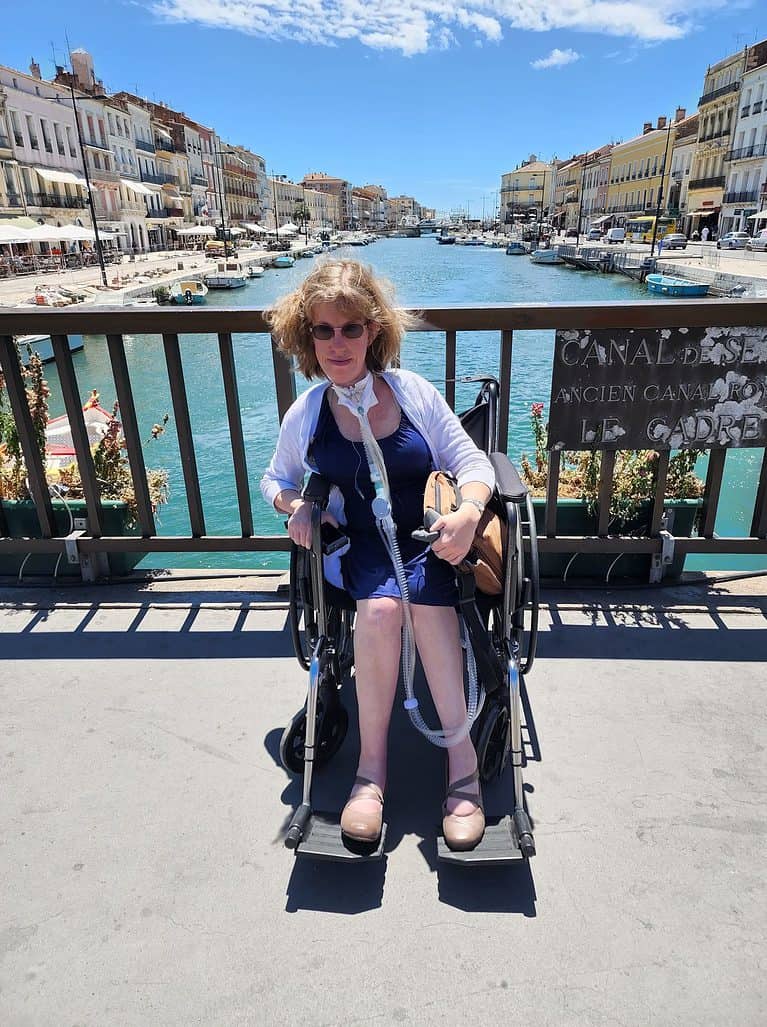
pixel 424 274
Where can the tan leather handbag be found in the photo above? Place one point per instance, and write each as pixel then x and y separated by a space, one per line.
pixel 485 558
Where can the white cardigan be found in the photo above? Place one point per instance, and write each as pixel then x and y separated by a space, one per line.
pixel 451 448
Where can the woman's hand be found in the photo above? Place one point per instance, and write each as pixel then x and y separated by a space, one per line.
pixel 300 523
pixel 456 533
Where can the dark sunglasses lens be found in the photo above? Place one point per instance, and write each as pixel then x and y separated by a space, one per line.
pixel 353 330
pixel 322 332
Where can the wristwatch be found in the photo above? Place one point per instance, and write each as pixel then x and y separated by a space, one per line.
pixel 475 502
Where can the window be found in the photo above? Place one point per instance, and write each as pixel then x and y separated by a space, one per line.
pixel 16 128
pixel 101 133
pixel 111 123
pixel 59 139
pixel 31 133
pixel 46 136
pixel 91 134
pixel 70 142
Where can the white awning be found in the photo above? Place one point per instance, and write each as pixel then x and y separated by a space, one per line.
pixel 237 231
pixel 13 235
pixel 136 187
pixel 256 228
pixel 759 214
pixel 196 230
pixel 65 177
pixel 601 221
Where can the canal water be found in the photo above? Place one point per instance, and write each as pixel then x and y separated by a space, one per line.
pixel 424 274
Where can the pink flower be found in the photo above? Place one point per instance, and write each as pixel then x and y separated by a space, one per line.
pixel 536 409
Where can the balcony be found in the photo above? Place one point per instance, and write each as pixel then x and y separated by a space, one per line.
pixel 168 179
pixel 199 180
pixel 707 183
pixel 12 200
pixel 5 142
pixel 733 87
pixel 54 200
pixel 749 196
pixel 714 135
pixel 147 176
pixel 97 145
pixel 132 207
pixel 142 144
pixel 747 151
pixel 164 144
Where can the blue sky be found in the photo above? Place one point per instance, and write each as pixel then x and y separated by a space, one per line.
pixel 423 97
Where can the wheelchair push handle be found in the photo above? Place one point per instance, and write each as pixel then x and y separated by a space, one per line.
pixel 332 538
pixel 425 534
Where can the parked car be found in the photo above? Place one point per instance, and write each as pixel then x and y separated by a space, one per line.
pixel 571 233
pixel 759 241
pixel 594 233
pixel 674 241
pixel 733 241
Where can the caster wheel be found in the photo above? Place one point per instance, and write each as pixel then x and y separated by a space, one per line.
pixel 492 744
pixel 332 730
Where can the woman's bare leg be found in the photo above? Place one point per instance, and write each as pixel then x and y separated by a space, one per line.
pixel 439 646
pixel 377 642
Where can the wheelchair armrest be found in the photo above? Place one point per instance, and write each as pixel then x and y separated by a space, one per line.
pixel 317 490
pixel 508 482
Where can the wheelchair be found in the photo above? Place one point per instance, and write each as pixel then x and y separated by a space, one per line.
pixel 502 632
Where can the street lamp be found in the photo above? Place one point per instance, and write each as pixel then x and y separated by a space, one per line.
pixel 91 207
pixel 660 189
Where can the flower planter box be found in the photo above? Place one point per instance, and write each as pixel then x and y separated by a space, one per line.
pixel 21 522
pixel 574 518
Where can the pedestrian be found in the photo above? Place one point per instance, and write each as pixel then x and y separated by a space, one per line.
pixel 705 233
pixel 342 326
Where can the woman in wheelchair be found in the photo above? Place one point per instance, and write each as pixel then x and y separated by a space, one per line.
pixel 341 325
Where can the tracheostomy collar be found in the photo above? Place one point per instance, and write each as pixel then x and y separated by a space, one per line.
pixel 359 397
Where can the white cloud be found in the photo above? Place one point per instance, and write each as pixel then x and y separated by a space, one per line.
pixel 556 59
pixel 415 26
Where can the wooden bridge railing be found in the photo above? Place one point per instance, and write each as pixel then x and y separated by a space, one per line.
pixel 176 325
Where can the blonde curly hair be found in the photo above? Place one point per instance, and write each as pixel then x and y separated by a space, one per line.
pixel 356 290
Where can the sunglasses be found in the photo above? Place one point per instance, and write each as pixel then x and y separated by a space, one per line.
pixel 353 330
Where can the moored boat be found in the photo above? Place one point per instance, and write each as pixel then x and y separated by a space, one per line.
pixel 667 285
pixel 284 260
pixel 255 271
pixel 43 347
pixel 228 275
pixel 545 255
pixel 446 240
pixel 516 249
pixel 189 291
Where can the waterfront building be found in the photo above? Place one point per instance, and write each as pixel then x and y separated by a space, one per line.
pixel 362 209
pixel 41 174
pixel 685 143
pixel 718 112
pixel 595 175
pixel 567 186
pixel 526 192
pixel 242 170
pixel 289 199
pixel 401 207
pixel 639 168
pixel 340 189
pixel 380 207
pixel 746 164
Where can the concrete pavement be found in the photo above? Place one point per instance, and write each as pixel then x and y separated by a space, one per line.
pixel 144 879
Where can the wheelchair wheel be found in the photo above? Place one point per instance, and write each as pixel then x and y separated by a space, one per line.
pixel 332 725
pixel 492 741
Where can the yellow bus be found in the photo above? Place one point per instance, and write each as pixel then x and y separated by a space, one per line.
pixel 640 229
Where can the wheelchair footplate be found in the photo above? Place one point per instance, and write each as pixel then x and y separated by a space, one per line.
pixel 499 846
pixel 322 839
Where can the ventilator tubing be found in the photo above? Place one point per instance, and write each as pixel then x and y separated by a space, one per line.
pixel 359 398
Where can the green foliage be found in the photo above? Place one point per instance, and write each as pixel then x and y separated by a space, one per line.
pixel 110 461
pixel 634 478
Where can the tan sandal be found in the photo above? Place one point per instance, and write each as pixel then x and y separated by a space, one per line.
pixel 462 833
pixel 363 827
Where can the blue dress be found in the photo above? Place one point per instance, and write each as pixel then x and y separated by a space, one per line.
pixel 367 567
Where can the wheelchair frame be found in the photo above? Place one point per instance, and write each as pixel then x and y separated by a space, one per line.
pixel 502 631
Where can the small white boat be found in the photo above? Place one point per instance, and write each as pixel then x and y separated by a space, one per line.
pixel 255 271
pixel 228 275
pixel 547 255
pixel 516 249
pixel 43 347
pixel 188 292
